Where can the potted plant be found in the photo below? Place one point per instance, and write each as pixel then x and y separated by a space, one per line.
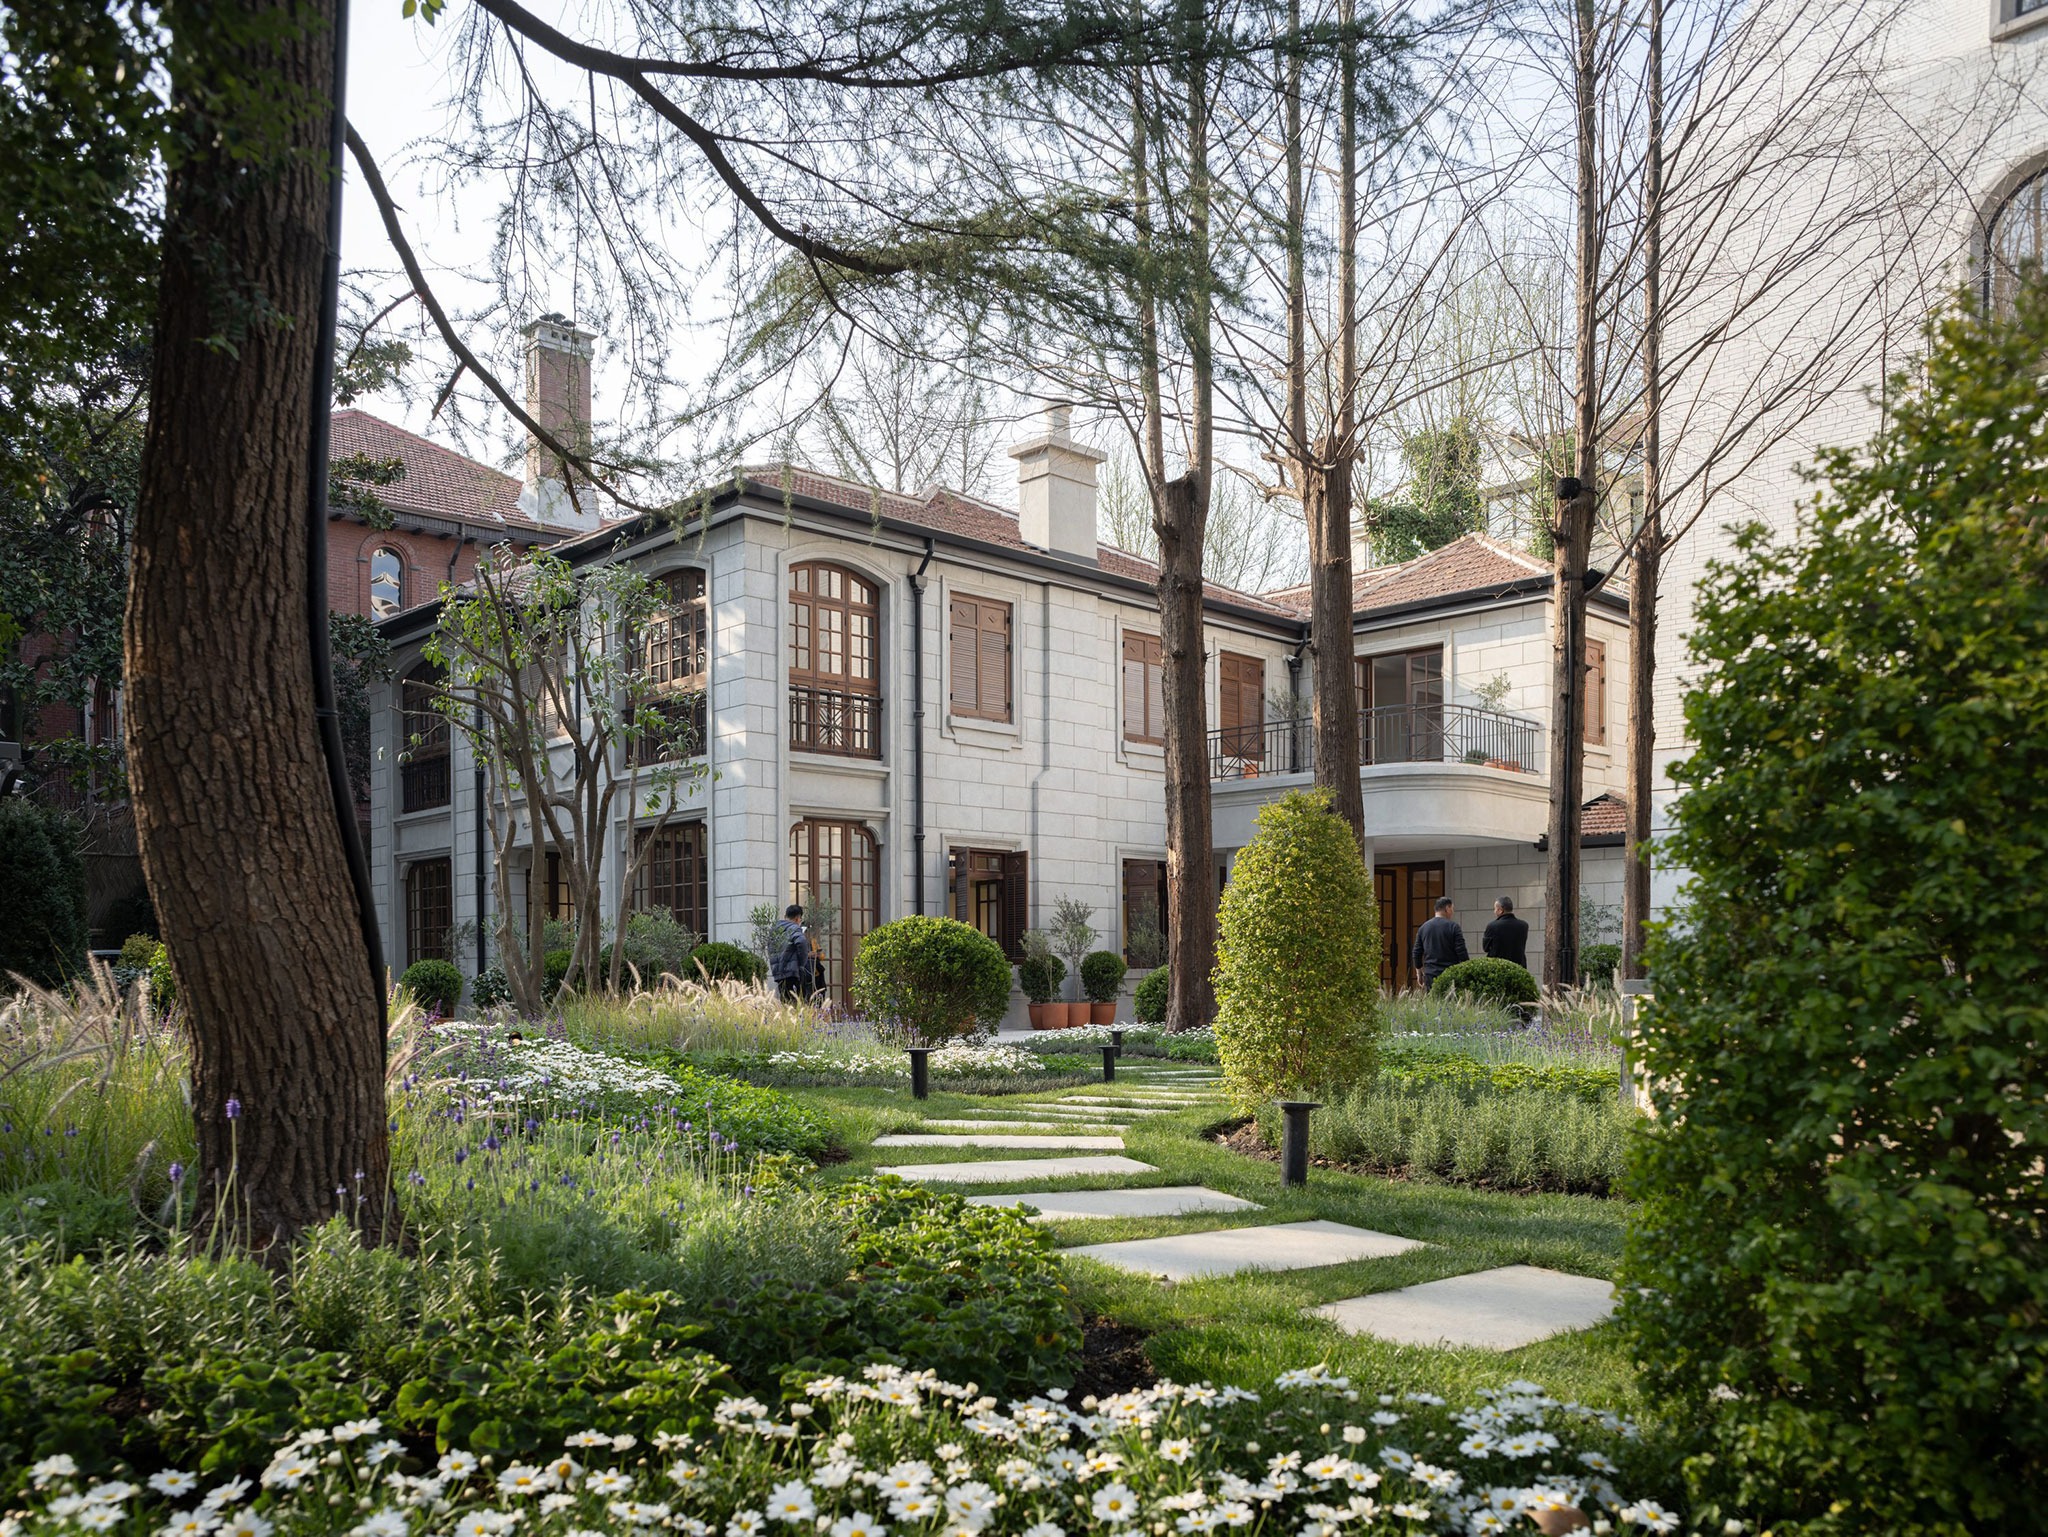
pixel 1102 978
pixel 1069 937
pixel 1040 974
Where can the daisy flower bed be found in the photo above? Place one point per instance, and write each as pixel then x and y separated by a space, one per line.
pixel 963 1067
pixel 903 1452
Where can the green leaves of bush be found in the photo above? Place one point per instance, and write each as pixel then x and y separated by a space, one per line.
pixel 1839 1271
pixel 1297 957
pixel 1148 1001
pixel 435 986
pixel 1102 975
pixel 933 978
pixel 1488 979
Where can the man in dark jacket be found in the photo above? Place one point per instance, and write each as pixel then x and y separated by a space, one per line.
pixel 1507 937
pixel 1439 944
pixel 792 958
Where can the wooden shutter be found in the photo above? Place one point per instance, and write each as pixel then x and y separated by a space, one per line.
pixel 1596 692
pixel 1016 902
pixel 1241 704
pixel 963 628
pixel 1144 699
pixel 992 661
pixel 957 863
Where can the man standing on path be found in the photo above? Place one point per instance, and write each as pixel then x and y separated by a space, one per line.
pixel 1507 937
pixel 1439 944
pixel 792 959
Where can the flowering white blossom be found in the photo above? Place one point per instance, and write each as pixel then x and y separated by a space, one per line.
pixel 1114 1503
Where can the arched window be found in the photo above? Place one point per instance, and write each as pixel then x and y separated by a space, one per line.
pixel 423 761
pixel 833 872
pixel 387 582
pixel 835 684
pixel 2016 245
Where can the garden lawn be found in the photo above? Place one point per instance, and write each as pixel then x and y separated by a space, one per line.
pixel 1244 1329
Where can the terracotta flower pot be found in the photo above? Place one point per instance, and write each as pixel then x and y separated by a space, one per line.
pixel 1555 1523
pixel 1041 1015
pixel 1102 1013
pixel 1068 1015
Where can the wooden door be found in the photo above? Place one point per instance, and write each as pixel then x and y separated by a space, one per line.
pixel 1241 706
pixel 1407 899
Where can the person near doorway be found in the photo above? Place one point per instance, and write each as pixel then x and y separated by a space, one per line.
pixel 794 960
pixel 1439 944
pixel 1507 937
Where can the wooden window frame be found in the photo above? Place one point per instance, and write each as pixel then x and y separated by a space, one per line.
pixel 859 876
pixel 1150 661
pixel 673 651
pixel 428 929
pixel 975 626
pixel 676 873
pixel 1596 693
pixel 1242 740
pixel 835 711
pixel 425 772
pixel 1002 914
pixel 1150 882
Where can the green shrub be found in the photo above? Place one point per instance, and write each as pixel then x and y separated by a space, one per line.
pixel 1488 980
pixel 1297 956
pixel 1102 975
pixel 1838 1268
pixel 1598 963
pixel 1040 976
pixel 1422 1063
pixel 722 962
pixel 71 1215
pixel 163 982
pixel 657 946
pixel 554 967
pixel 137 951
pixel 489 988
pixel 931 977
pixel 43 933
pixel 436 986
pixel 1149 998
pixel 1516 1140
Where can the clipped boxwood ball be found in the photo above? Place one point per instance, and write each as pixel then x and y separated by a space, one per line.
pixel 1597 964
pixel 436 986
pixel 1488 979
pixel 722 962
pixel 931 977
pixel 1102 975
pixel 1148 1002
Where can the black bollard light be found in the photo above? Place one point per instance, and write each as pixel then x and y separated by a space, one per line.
pixel 1117 1039
pixel 1109 1063
pixel 1294 1140
pixel 920 1072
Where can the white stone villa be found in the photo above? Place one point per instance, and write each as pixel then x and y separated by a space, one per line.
pixel 930 704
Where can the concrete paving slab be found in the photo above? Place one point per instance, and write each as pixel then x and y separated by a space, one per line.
pixel 1056 1128
pixel 1158 1201
pixel 1058 1139
pixel 1003 1171
pixel 1283 1246
pixel 1500 1309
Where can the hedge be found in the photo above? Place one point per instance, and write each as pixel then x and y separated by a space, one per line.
pixel 932 978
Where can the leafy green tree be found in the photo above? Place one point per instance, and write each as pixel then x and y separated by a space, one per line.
pixel 1298 958
pixel 1838 1272
pixel 42 894
pixel 931 978
pixel 1439 498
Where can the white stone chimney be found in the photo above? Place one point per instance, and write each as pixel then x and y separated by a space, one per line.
pixel 558 354
pixel 1056 488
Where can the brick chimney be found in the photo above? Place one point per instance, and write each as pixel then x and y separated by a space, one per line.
pixel 558 354
pixel 1056 487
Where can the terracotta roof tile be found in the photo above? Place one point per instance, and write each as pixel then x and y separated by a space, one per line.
pixel 438 482
pixel 950 512
pixel 1473 563
pixel 1604 816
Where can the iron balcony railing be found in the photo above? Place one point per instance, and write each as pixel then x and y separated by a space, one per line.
pixel 1435 733
pixel 834 721
pixel 423 783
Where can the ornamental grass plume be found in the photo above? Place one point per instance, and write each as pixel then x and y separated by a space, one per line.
pixel 1297 957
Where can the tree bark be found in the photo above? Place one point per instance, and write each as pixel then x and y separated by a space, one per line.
pixel 233 805
pixel 1573 537
pixel 1327 504
pixel 1190 847
pixel 1649 544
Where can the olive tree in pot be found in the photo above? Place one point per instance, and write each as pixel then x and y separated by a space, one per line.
pixel 1102 978
pixel 1071 934
pixel 1039 974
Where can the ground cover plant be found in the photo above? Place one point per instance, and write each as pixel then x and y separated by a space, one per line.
pixel 855 1455
pixel 1139 1041
pixel 1838 1274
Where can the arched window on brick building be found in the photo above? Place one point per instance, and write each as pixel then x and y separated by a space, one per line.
pixel 2016 243
pixel 387 582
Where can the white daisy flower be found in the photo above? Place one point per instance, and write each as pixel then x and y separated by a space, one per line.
pixel 384 1523
pixel 189 1523
pixel 1114 1503
pixel 1234 1513
pixel 382 1452
pixel 457 1464
pixel 520 1478
pixel 564 1470
pixel 113 1493
pixel 245 1523
pixel 355 1430
pixel 1648 1513
pixel 915 1505
pixel 608 1481
pixel 97 1518
pixel 745 1523
pixel 174 1482
pixel 227 1493
pixel 635 1513
pixel 859 1524
pixel 1478 1444
pixel 1045 1529
pixel 595 1437
pixel 792 1502
pixel 59 1466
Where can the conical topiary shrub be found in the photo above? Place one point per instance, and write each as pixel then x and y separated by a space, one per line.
pixel 1298 957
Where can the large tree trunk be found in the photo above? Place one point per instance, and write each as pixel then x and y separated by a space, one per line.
pixel 1573 541
pixel 240 841
pixel 1649 544
pixel 1190 845
pixel 1328 513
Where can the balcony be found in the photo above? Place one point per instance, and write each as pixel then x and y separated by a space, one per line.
pixel 835 721
pixel 1447 733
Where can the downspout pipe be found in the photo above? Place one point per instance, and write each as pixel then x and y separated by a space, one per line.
pixel 326 717
pixel 1294 696
pixel 917 722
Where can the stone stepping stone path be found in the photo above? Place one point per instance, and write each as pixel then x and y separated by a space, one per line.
pixel 1501 1309
pixel 1057 1139
pixel 993 1171
pixel 1226 1251
pixel 1059 1128
pixel 1153 1201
